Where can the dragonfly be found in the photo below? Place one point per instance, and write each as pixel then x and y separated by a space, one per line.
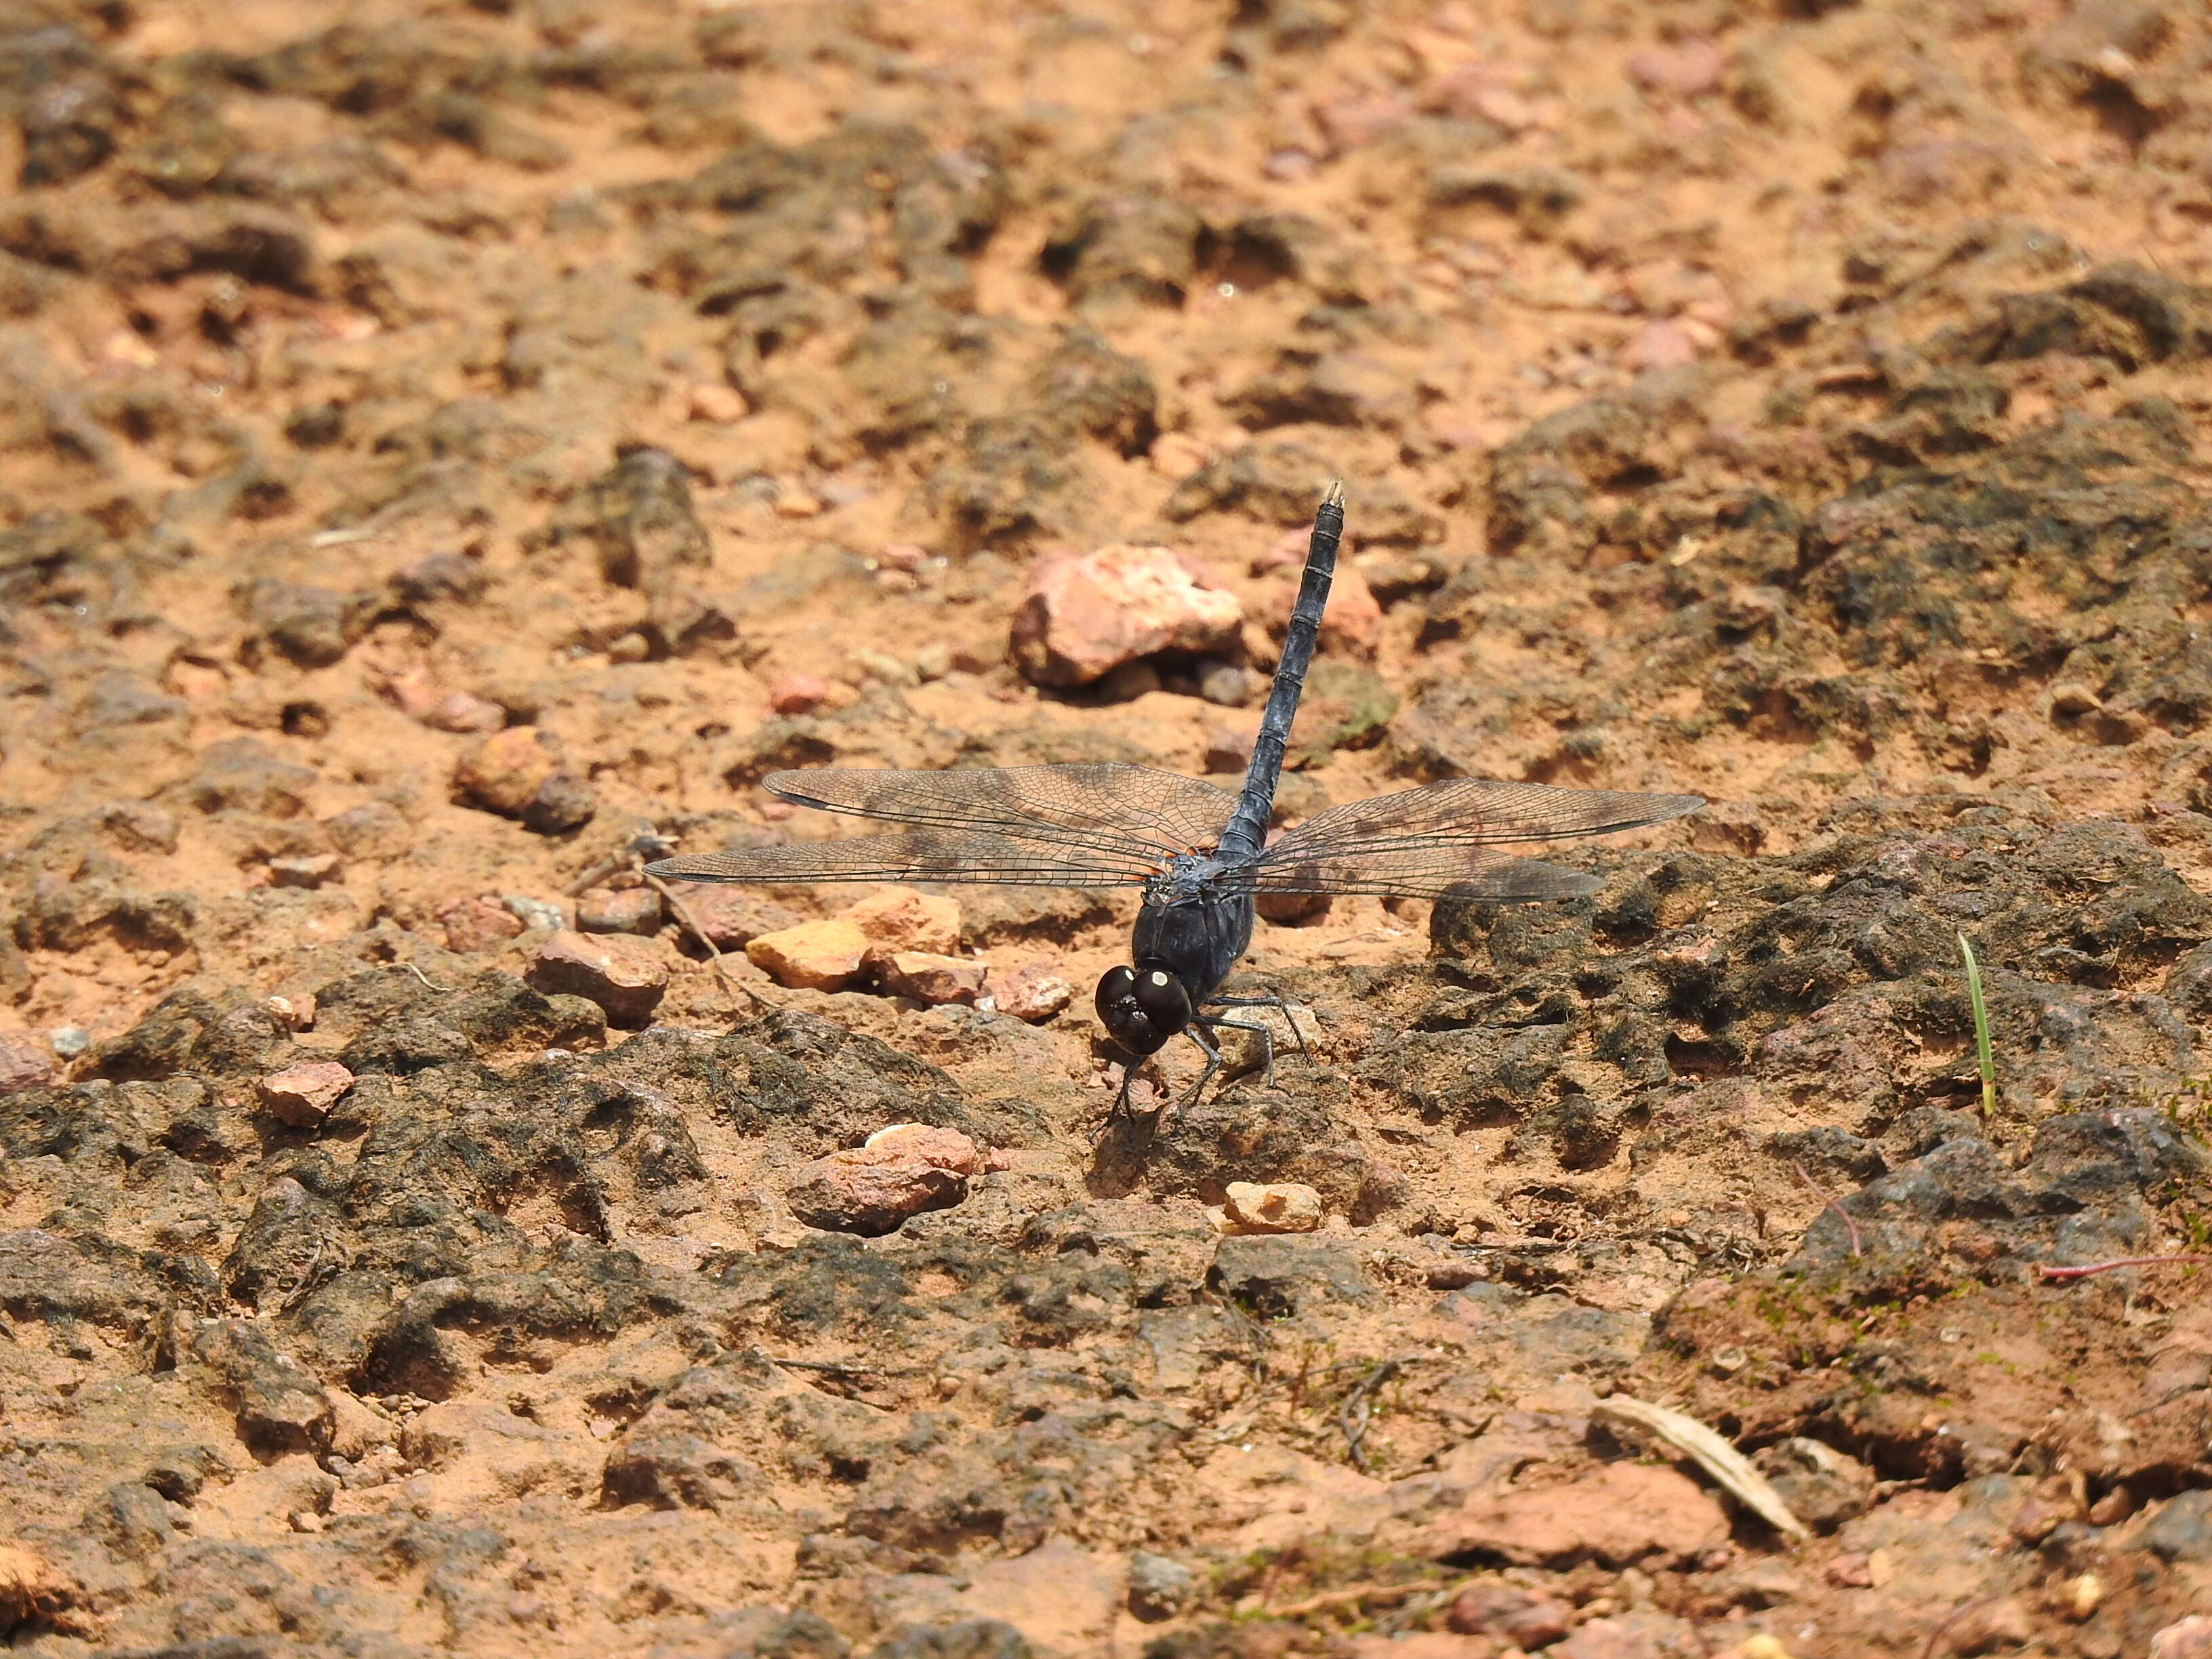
pixel 1199 852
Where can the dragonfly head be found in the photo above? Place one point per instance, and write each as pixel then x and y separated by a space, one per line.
pixel 1143 1007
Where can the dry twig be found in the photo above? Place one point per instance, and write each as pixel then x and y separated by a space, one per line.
pixel 713 953
pixel 2090 1270
pixel 1352 1416
pixel 1842 1215
pixel 1715 1455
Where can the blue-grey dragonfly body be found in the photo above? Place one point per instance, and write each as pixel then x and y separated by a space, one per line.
pixel 1200 854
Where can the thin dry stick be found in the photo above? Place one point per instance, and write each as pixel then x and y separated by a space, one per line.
pixel 1927 1650
pixel 713 953
pixel 1842 1215
pixel 1355 1427
pixel 2093 1268
pixel 1723 1462
pixel 1358 1595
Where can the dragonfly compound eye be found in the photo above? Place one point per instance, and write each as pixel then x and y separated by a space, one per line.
pixel 1142 1010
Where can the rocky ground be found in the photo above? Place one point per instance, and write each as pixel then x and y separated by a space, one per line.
pixel 449 454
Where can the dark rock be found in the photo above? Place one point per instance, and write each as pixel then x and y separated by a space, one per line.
pixel 240 774
pixel 1160 1587
pixel 2180 1529
pixel 970 1639
pixel 1141 246
pixel 1271 1276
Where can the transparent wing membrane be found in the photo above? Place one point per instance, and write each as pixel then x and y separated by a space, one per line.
pixel 1124 808
pixel 970 856
pixel 1436 871
pixel 1474 811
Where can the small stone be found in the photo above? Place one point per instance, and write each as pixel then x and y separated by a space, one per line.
pixel 464 711
pixel 1159 1588
pixel 872 1190
pixel 25 1063
pixel 2190 1639
pixel 796 504
pixel 1660 344
pixel 902 555
pixel 477 924
pixel 730 916
pixel 1292 910
pixel 1282 1206
pixel 302 1096
pixel 534 912
pixel 632 910
pixel 622 975
pixel 722 404
pixel 1625 1513
pixel 1823 1487
pixel 1033 992
pixel 1522 1617
pixel 1176 455
pixel 517 773
pixel 948 1149
pixel 294 1009
pixel 70 1041
pixel 802 694
pixel 311 870
pixel 900 919
pixel 815 956
pixel 1688 68
pixel 927 977
pixel 1084 615
pixel 1225 684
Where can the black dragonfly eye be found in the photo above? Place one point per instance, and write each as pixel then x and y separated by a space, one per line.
pixel 1142 1007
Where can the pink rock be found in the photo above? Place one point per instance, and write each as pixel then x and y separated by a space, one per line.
pixel 629 910
pixel 477 924
pixel 927 977
pixel 622 975
pixel 1688 68
pixel 1034 992
pixel 872 1190
pixel 1084 615
pixel 1623 1514
pixel 25 1062
pixel 948 1149
pixel 464 711
pixel 1659 345
pixel 1354 621
pixel 730 916
pixel 815 956
pixel 2190 1639
pixel 1524 1618
pixel 302 1095
pixel 801 694
pixel 900 919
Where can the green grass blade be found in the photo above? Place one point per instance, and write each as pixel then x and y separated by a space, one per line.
pixel 1982 1050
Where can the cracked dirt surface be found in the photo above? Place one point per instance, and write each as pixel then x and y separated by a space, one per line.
pixel 438 444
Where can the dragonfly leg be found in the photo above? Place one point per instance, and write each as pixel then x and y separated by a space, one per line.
pixel 1266 1042
pixel 1196 1032
pixel 1271 1000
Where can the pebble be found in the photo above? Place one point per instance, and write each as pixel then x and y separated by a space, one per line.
pixel 796 504
pixel 1524 1618
pixel 1082 615
pixel 928 977
pixel 1160 1587
pixel 1034 992
pixel 517 773
pixel 1688 68
pixel 901 918
pixel 1282 1206
pixel 872 1190
pixel 25 1063
pixel 721 404
pixel 311 870
pixel 1623 1514
pixel 2190 1639
pixel 1659 345
pixel 294 1009
pixel 622 975
pixel 70 1041
pixel 802 694
pixel 464 711
pixel 730 916
pixel 631 911
pixel 534 912
pixel 815 956
pixel 302 1096
pixel 948 1149
pixel 478 924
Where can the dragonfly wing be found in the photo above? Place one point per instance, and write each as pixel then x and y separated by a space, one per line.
pixel 977 858
pixel 1101 810
pixel 1477 813
pixel 1441 870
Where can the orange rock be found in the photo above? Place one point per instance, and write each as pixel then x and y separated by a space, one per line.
pixel 1625 1513
pixel 731 917
pixel 802 694
pixel 622 975
pixel 948 1149
pixel 1034 992
pixel 928 977
pixel 1084 615
pixel 503 771
pixel 900 919
pixel 302 1095
pixel 477 924
pixel 872 1190
pixel 815 956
